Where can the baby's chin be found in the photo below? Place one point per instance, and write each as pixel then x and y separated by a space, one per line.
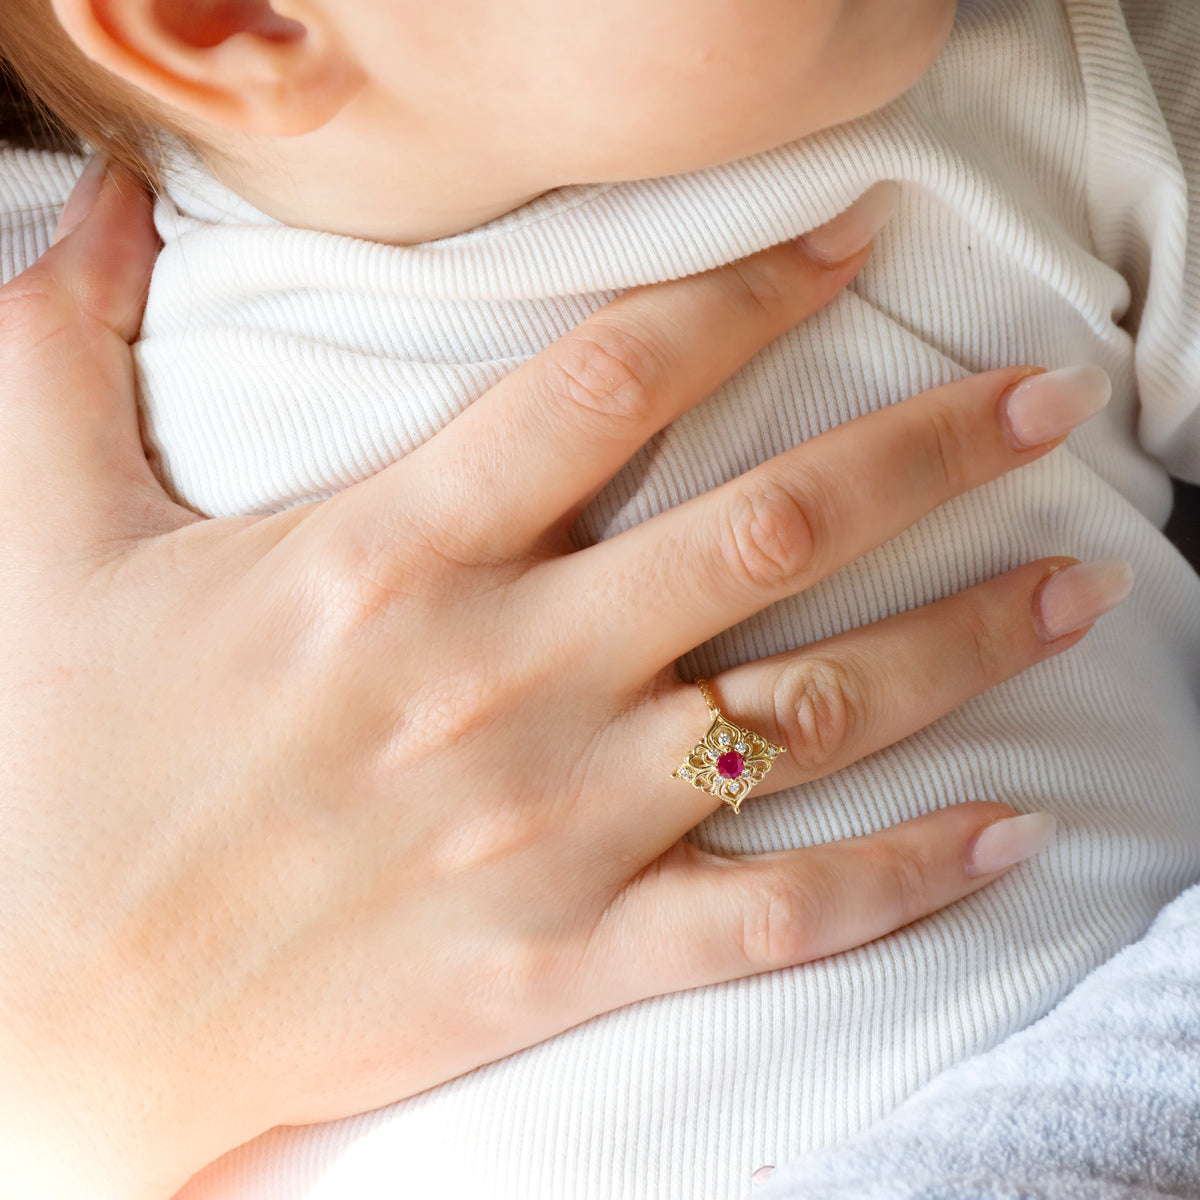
pixel 888 45
pixel 868 64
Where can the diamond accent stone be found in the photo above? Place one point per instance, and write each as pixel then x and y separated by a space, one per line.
pixel 724 738
pixel 742 748
pixel 685 772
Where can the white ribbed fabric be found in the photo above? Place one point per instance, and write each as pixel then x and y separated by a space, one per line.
pixel 1100 1100
pixel 1045 162
pixel 32 190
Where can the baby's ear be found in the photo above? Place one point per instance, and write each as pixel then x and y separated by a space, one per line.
pixel 241 64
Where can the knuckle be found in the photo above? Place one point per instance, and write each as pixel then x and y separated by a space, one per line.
pixel 359 587
pixel 492 831
pixel 502 977
pixel 342 607
pixel 950 448
pixel 981 641
pixel 759 288
pixel 609 375
pixel 768 539
pixel 780 921
pixel 364 571
pixel 455 709
pixel 908 876
pixel 819 709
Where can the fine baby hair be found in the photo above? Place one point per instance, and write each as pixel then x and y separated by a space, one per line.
pixel 51 95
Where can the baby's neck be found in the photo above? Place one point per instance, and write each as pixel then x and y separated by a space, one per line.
pixel 431 200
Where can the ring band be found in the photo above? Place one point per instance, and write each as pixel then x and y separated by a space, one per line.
pixel 729 760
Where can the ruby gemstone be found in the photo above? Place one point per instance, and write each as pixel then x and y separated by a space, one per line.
pixel 730 765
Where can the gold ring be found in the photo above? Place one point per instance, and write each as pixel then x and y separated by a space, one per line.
pixel 729 760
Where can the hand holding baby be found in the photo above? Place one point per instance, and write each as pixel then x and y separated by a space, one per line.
pixel 308 813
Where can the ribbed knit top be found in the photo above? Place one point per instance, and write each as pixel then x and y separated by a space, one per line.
pixel 1045 163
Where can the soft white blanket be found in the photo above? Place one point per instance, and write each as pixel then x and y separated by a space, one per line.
pixel 1098 1100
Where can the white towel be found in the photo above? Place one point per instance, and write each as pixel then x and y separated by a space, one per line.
pixel 1099 1100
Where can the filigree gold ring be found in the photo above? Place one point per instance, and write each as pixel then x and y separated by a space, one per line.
pixel 729 760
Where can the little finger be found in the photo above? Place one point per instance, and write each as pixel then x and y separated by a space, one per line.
pixel 692 918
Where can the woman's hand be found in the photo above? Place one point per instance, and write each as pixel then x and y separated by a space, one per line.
pixel 308 813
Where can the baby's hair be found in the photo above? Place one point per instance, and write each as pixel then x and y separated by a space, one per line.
pixel 53 97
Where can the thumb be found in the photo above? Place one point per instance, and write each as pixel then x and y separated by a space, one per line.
pixel 70 449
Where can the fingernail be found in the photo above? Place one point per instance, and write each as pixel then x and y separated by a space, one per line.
pixel 850 231
pixel 761 1176
pixel 1077 595
pixel 1008 842
pixel 82 198
pixel 1044 407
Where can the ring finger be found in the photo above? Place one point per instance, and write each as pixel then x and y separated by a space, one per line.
pixel 839 700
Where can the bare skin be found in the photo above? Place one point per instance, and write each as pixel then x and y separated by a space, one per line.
pixel 466 109
pixel 232 901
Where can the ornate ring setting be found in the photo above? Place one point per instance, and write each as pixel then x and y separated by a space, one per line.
pixel 729 760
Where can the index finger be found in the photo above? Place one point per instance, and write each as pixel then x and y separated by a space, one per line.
pixel 526 457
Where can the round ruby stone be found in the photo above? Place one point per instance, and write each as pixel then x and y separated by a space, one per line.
pixel 730 765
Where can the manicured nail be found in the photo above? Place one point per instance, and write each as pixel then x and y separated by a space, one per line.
pixel 1078 595
pixel 760 1177
pixel 1008 842
pixel 850 231
pixel 1044 407
pixel 82 198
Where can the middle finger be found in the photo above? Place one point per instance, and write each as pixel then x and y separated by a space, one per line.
pixel 689 573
